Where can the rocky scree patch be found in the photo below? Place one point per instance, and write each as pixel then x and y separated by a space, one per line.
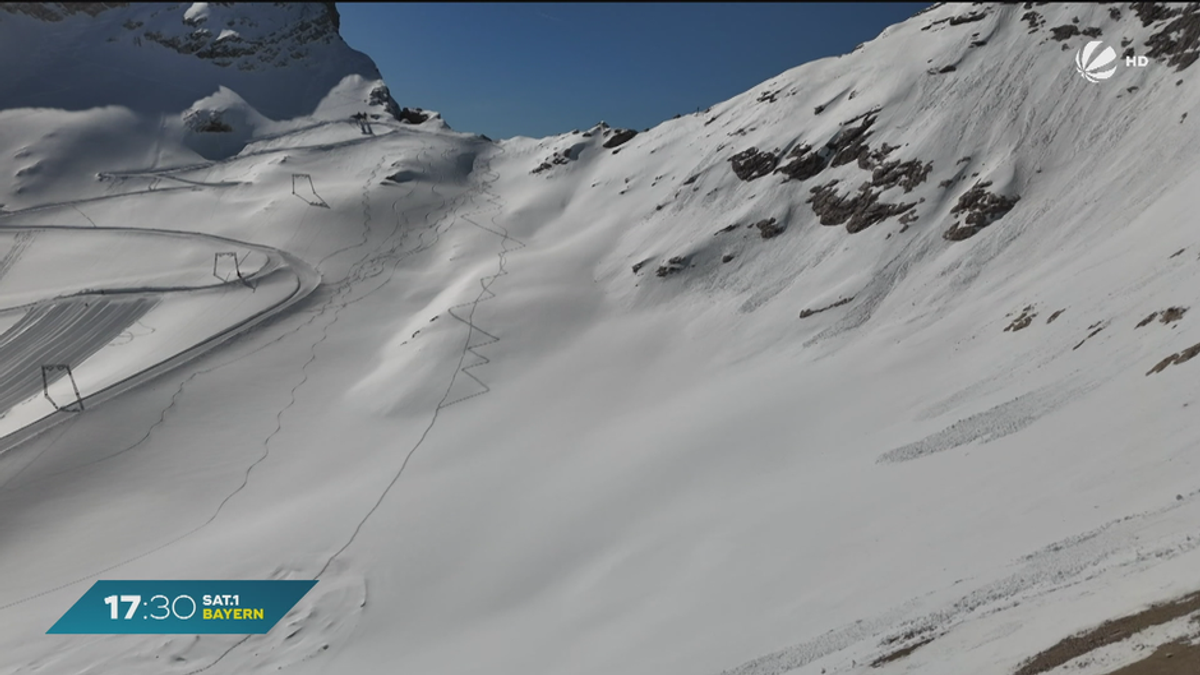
pixel 1023 321
pixel 561 157
pixel 805 313
pixel 1165 317
pixel 857 211
pixel 620 137
pixel 673 265
pixel 982 208
pixel 752 163
pixel 1178 41
pixel 768 228
pixel 206 121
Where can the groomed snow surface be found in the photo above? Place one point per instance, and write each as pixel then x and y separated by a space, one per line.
pixel 502 450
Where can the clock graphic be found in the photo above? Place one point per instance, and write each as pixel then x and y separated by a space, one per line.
pixel 229 607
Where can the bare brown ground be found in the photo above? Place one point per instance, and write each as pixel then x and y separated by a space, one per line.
pixel 1114 631
pixel 900 653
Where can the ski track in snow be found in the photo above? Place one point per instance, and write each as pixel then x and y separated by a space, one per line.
pixel 331 304
pixel 372 263
pixel 1067 229
pixel 60 332
pixel 335 302
pixel 469 347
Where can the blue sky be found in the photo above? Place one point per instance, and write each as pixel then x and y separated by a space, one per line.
pixel 538 69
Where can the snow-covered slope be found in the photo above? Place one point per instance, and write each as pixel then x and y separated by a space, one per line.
pixel 885 362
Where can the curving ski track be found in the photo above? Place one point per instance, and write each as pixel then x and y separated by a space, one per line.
pixel 59 343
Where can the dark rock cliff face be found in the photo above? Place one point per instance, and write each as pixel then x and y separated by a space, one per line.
pixel 334 18
pixel 315 23
pixel 57 11
pixel 282 58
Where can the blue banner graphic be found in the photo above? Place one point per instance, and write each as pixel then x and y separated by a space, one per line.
pixel 181 607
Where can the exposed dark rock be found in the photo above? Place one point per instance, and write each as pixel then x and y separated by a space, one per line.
pixel 727 257
pixel 206 121
pixel 804 164
pixel 804 314
pixel 562 157
pixel 691 179
pixel 935 23
pixel 1064 32
pixel 1152 12
pixel 1114 13
pixel 818 110
pixel 57 11
pixel 872 159
pixel 1092 32
pixel 318 23
pixel 858 210
pixel 1023 321
pixel 673 265
pixel 382 97
pixel 1055 315
pixel 1095 328
pixel 727 229
pixel 967 18
pixel 1176 359
pixel 620 137
pixel 982 208
pixel 851 142
pixel 907 175
pixel 901 652
pixel 412 115
pixel 1146 321
pixel 752 163
pixel 769 96
pixel 1034 20
pixel 1172 314
pixel 640 265
pixel 1179 40
pixel 768 228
